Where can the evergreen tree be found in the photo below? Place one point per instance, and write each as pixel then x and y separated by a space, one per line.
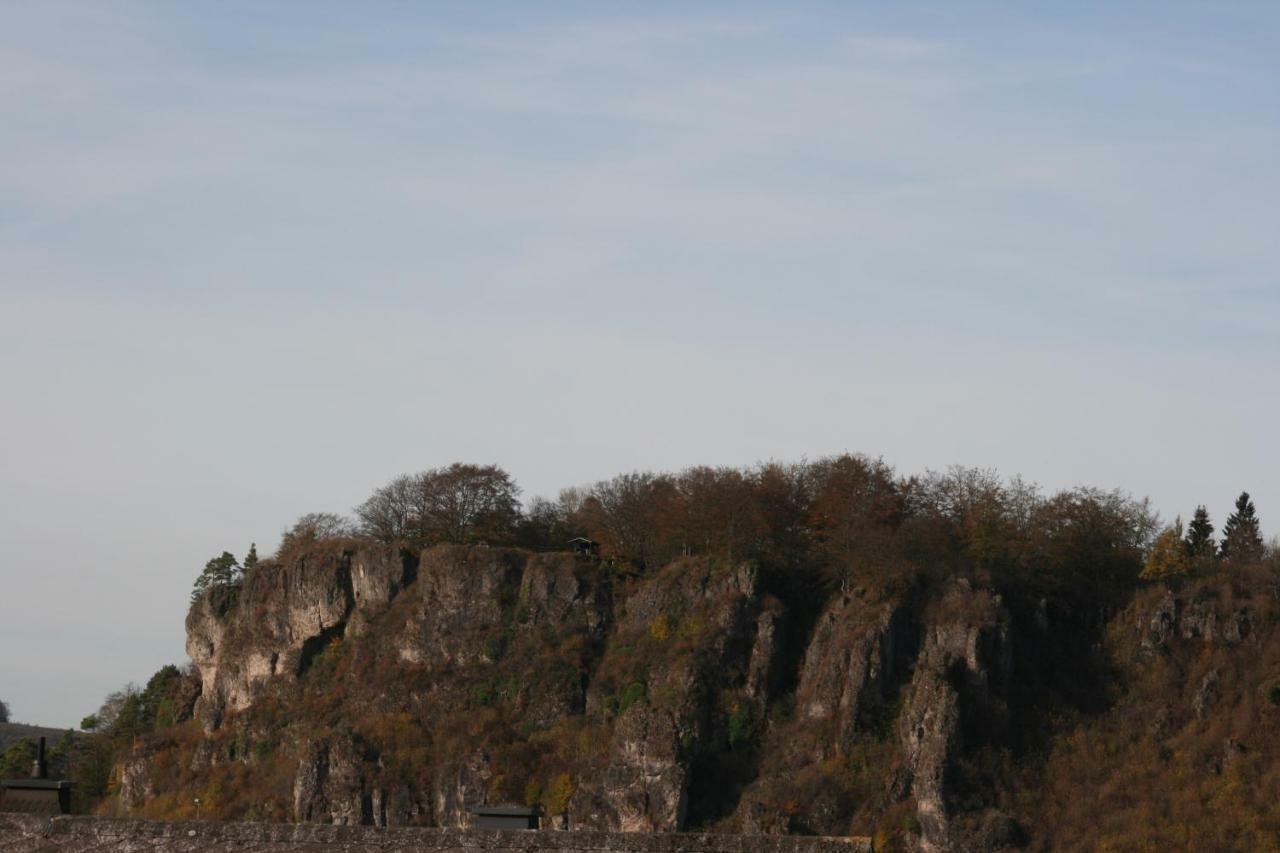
pixel 1241 536
pixel 218 572
pixel 251 559
pixel 1199 541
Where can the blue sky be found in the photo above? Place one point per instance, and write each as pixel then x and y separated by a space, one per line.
pixel 257 259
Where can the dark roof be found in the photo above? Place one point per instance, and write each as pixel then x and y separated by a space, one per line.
pixel 37 784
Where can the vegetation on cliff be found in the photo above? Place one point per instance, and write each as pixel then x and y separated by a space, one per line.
pixel 825 647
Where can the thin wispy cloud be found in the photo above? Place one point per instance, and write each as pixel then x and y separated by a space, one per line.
pixel 257 260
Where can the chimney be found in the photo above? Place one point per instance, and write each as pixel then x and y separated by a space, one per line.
pixel 40 767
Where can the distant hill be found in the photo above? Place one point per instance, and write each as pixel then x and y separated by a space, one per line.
pixel 11 733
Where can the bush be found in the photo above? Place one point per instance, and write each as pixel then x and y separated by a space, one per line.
pixel 16 760
pixel 631 694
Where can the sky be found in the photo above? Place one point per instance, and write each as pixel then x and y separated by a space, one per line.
pixel 258 259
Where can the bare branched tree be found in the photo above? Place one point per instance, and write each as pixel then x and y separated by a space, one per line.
pixel 460 503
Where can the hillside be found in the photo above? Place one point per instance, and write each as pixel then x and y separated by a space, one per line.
pixel 11 733
pixel 938 666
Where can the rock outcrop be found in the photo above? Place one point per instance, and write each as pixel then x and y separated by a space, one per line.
pixel 273 624
pixel 387 688
pixel 707 624
pixel 849 663
pixel 965 658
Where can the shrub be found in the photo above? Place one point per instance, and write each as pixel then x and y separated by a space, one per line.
pixel 741 726
pixel 556 798
pixel 631 694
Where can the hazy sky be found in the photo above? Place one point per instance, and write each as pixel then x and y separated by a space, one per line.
pixel 256 259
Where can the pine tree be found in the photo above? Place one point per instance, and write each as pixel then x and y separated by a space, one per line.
pixel 1199 541
pixel 250 559
pixel 218 572
pixel 1241 536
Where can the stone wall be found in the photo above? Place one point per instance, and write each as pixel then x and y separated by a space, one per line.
pixel 27 834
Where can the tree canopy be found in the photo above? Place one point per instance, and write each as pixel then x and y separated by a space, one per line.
pixel 221 571
pixel 460 503
pixel 1169 556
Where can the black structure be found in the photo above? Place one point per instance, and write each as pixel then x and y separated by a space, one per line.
pixel 583 545
pixel 505 817
pixel 36 795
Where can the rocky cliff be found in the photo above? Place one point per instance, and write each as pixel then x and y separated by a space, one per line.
pixel 355 684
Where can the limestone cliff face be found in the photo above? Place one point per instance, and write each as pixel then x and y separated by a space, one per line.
pixel 856 655
pixel 728 650
pixel 850 661
pixel 965 658
pixel 270 627
pixel 396 688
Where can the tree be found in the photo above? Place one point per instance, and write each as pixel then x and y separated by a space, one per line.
pixel 17 759
pixel 626 515
pixel 390 512
pixel 718 513
pixel 856 503
pixel 220 572
pixel 1088 544
pixel 1168 556
pixel 546 524
pixel 461 503
pixel 315 527
pixel 1241 537
pixel 113 706
pixel 1199 542
pixel 251 559
pixel 468 503
pixel 4 712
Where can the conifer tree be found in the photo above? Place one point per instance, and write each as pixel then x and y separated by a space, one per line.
pixel 1241 536
pixel 1199 541
pixel 218 572
pixel 250 559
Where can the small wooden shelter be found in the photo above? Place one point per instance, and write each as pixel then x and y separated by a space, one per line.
pixel 583 545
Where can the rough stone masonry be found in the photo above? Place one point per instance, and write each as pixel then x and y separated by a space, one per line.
pixel 30 834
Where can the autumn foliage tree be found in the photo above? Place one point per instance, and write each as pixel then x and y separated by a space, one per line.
pixel 312 528
pixel 460 503
pixel 1168 556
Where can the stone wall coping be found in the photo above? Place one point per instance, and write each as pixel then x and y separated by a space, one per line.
pixel 314 837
